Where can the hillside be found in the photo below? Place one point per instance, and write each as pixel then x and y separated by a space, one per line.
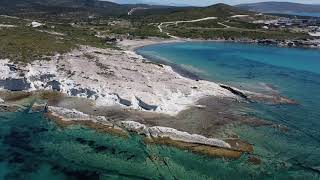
pixel 187 13
pixel 280 7
pixel 96 22
pixel 57 3
pixel 151 2
pixel 59 6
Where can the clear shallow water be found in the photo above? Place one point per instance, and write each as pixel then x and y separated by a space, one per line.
pixel 295 73
pixel 32 148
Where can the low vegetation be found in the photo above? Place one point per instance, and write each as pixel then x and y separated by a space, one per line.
pixel 233 33
pixel 140 30
pixel 242 24
pixel 24 43
pixel 203 24
pixel 91 24
pixel 217 10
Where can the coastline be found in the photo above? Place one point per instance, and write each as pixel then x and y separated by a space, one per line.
pixel 264 42
pixel 65 74
pixel 133 83
pixel 133 45
pixel 272 98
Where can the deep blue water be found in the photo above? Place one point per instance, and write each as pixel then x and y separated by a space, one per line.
pixel 295 73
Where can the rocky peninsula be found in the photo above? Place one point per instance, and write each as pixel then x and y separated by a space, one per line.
pixel 120 79
pixel 110 77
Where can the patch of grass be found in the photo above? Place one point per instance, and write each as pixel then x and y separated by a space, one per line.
pixel 242 24
pixel 24 44
pixel 221 11
pixel 12 20
pixel 140 31
pixel 203 24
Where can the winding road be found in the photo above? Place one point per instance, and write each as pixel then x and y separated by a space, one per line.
pixel 177 22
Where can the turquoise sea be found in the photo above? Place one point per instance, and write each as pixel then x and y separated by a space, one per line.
pixel 294 73
pixel 31 147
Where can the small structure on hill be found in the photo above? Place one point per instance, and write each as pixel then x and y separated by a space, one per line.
pixel 35 24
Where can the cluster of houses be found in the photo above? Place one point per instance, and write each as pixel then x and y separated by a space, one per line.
pixel 310 25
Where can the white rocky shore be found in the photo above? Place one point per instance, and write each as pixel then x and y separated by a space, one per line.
pixel 111 77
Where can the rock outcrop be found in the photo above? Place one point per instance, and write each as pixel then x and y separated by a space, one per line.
pixel 74 115
pixel 258 97
pixel 110 77
pixel 173 134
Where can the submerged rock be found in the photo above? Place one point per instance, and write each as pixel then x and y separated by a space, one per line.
pixel 10 108
pixel 157 134
pixel 254 160
pixel 259 97
pixel 67 114
pixel 65 117
pixel 234 91
pixel 38 107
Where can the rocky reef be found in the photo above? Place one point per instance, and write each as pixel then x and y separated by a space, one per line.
pixel 249 96
pixel 173 134
pixel 109 78
pixel 229 148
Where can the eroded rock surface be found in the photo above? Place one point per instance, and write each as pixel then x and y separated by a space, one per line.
pixel 110 77
pixel 173 134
